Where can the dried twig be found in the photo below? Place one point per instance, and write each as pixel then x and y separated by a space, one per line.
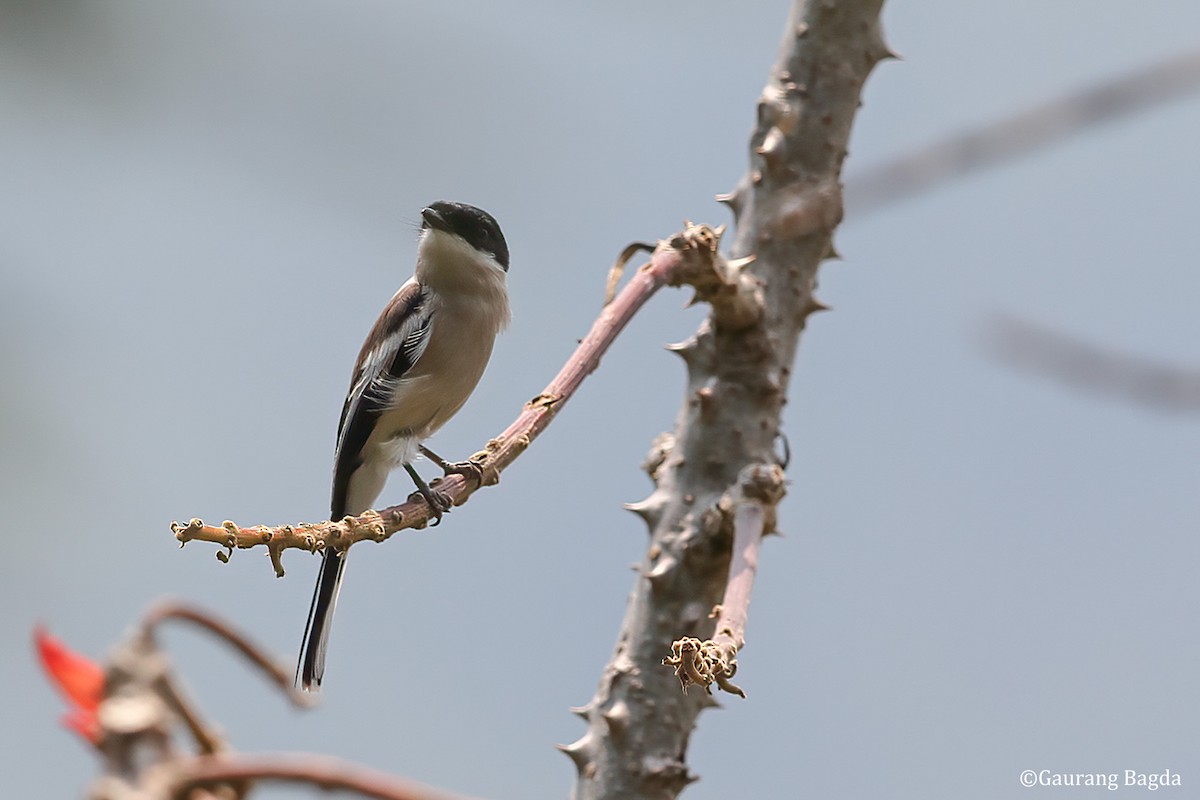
pixel 618 268
pixel 715 660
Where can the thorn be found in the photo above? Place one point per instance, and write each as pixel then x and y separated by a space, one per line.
pixel 581 711
pixel 694 351
pixel 685 350
pixel 719 231
pixel 577 751
pixel 732 199
pixel 772 147
pixel 812 307
pixel 738 264
pixel 786 457
pixel 658 575
pixel 617 718
pixel 649 510
pixel 831 253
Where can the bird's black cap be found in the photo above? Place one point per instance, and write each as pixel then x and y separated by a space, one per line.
pixel 476 226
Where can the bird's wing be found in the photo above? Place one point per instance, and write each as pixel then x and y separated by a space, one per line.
pixel 391 350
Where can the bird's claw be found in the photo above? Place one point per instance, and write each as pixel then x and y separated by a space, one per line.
pixel 471 470
pixel 438 501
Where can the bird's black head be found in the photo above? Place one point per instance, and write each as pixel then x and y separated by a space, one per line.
pixel 476 226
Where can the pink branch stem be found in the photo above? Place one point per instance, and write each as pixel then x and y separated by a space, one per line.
pixel 664 267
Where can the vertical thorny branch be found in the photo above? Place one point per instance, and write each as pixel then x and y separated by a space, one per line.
pixel 738 369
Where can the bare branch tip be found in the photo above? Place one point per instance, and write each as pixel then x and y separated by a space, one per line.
pixel 186 533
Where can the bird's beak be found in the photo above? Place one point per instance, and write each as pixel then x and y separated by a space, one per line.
pixel 434 219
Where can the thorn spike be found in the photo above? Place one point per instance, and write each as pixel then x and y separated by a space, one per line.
pixel 578 751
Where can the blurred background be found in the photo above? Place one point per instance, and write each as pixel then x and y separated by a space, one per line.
pixel 203 206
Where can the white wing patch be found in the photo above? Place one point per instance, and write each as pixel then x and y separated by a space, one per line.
pixel 379 382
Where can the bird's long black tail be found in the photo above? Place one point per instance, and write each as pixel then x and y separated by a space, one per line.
pixel 320 619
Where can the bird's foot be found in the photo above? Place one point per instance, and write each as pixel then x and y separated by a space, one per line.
pixel 471 470
pixel 438 501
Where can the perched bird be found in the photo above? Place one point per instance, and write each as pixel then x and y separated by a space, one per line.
pixel 419 364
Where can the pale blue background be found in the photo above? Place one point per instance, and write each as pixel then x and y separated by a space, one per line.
pixel 203 205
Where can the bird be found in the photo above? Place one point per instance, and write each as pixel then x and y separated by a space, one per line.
pixel 419 364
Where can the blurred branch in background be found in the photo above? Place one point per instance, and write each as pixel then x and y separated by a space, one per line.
pixel 1081 365
pixel 134 709
pixel 1020 344
pixel 910 174
pixel 216 773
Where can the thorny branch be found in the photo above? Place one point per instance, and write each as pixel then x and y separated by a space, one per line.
pixel 738 370
pixel 690 257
